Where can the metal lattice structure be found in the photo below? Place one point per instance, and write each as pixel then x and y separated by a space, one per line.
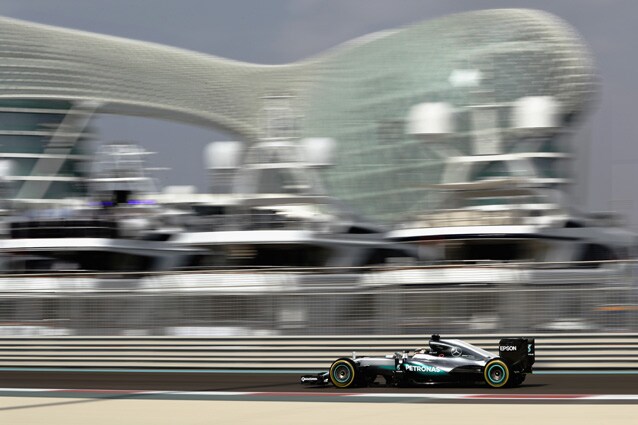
pixel 359 93
pixel 403 301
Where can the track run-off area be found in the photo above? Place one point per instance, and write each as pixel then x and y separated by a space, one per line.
pixel 156 397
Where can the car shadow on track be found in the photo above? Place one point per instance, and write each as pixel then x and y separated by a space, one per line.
pixel 437 387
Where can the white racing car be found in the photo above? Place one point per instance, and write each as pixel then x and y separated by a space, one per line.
pixel 444 360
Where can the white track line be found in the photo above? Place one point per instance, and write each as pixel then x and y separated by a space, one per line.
pixel 424 396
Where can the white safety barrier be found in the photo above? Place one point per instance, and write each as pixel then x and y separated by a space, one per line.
pixel 553 351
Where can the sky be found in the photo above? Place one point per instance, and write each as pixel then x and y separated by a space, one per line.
pixel 282 31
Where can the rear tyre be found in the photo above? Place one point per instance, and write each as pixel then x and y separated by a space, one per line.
pixel 343 373
pixel 496 373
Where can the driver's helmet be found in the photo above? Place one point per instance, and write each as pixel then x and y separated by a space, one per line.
pixel 437 348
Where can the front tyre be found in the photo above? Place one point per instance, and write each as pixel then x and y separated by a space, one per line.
pixel 496 373
pixel 343 373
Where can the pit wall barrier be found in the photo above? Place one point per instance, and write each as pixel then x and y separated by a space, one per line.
pixel 553 351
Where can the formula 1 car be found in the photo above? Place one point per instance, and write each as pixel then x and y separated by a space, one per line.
pixel 443 361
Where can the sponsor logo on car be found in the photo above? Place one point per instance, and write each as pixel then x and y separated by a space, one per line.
pixel 308 379
pixel 507 348
pixel 422 368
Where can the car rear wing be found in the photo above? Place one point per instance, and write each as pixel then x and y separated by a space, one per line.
pixel 518 353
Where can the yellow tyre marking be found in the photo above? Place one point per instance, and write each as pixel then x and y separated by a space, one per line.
pixel 505 368
pixel 349 366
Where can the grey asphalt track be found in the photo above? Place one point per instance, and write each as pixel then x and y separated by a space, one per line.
pixel 289 382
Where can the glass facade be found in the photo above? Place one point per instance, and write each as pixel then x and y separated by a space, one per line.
pixel 359 94
pixel 365 94
pixel 26 129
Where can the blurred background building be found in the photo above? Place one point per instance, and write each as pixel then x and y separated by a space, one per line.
pixel 361 94
pixel 463 121
pixel 444 142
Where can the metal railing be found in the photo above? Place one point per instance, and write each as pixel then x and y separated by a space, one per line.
pixel 468 299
